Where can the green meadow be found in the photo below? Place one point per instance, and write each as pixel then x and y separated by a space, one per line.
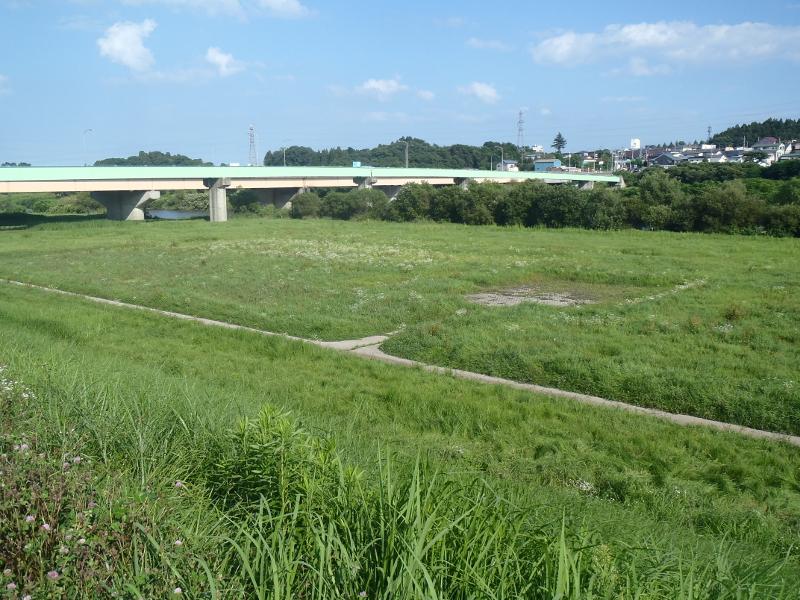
pixel 700 324
pixel 148 457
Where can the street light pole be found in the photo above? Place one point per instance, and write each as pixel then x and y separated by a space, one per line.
pixel 502 155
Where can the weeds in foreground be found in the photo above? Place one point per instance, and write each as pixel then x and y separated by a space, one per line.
pixel 271 511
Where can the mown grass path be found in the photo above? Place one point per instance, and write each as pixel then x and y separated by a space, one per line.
pixel 369 347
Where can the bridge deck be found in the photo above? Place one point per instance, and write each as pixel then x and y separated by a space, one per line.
pixel 68 179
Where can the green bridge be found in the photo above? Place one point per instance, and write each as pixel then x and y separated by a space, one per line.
pixel 126 191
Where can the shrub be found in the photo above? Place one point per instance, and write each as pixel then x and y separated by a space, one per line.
pixel 306 205
pixel 448 204
pixel 343 205
pixel 413 201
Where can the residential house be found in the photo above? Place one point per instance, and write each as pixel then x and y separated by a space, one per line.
pixel 543 165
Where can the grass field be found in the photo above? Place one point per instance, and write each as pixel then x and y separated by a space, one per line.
pixel 705 325
pixel 648 509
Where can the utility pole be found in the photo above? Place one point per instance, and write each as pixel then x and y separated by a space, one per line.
pixel 253 152
pixel 521 136
pixel 406 143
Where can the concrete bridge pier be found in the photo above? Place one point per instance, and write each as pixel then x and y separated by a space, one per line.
pixel 586 185
pixel 391 191
pixel 278 197
pixel 364 183
pixel 125 206
pixel 217 198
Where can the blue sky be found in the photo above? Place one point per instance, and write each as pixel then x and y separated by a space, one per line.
pixel 190 76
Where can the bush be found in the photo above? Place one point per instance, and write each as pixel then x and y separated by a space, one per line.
pixel 481 203
pixel 788 192
pixel 413 201
pixel 343 205
pixel 306 205
pixel 556 206
pixel 448 204
pixel 604 209
pixel 513 207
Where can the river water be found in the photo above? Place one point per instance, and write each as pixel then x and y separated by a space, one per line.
pixel 175 215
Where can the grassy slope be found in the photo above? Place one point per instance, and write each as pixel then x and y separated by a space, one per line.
pixel 724 349
pixel 119 376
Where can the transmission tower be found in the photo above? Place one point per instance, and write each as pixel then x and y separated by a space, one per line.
pixel 521 135
pixel 253 159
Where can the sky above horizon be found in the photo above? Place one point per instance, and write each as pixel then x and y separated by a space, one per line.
pixel 82 80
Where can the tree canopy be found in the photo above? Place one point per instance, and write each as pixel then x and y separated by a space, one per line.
pixel 153 159
pixel 420 154
pixel 785 129
pixel 559 143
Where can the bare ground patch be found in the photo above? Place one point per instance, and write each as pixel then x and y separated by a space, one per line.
pixel 519 295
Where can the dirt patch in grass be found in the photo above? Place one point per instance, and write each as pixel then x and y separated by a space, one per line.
pixel 518 295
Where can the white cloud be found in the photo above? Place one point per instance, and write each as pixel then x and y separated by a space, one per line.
pixel 123 43
pixel 639 67
pixel 426 95
pixel 480 44
pixel 383 89
pixel 224 63
pixel 482 91
pixel 285 8
pixel 671 42
pixel 211 7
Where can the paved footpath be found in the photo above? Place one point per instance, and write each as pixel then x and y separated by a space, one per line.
pixel 369 348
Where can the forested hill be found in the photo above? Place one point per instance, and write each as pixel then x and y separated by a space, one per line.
pixel 153 159
pixel 788 129
pixel 420 154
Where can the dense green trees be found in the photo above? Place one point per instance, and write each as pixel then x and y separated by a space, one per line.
pixel 785 129
pixel 153 159
pixel 656 201
pixel 420 154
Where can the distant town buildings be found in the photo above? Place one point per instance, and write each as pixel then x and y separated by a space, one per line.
pixel 507 165
pixel 764 152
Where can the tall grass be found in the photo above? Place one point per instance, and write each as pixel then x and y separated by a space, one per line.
pixel 270 511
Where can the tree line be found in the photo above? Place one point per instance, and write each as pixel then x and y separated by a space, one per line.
pixel 657 201
pixel 785 129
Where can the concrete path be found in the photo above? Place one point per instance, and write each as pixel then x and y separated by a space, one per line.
pixel 369 348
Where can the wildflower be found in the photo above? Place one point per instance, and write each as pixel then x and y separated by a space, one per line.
pixel 7 572
pixel 65 466
pixel 11 586
pixel 53 575
pixel 362 594
pixel 63 550
pixel 24 448
pixel 92 504
pixel 178 543
pixel 82 541
pixel 46 526
pixel 30 519
pixel 76 459
pixel 179 484
pixel 27 597
pixel 177 591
